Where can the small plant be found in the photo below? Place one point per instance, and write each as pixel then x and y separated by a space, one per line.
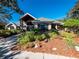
pixel 15 31
pixel 36 30
pixel 38 37
pixel 68 38
pixel 30 44
pixel 26 37
pixel 30 36
pixel 52 34
pixel 66 34
pixel 12 31
pixel 69 41
pixel 55 31
pixel 22 39
pixel 5 33
pixel 43 36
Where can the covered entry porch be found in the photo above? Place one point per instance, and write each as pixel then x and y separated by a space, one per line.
pixel 45 25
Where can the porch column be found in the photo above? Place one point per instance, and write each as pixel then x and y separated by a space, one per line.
pixel 56 26
pixel 65 29
pixel 49 26
pixel 21 24
pixel 25 26
pixel 36 26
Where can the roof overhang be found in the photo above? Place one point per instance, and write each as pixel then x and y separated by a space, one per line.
pixel 29 15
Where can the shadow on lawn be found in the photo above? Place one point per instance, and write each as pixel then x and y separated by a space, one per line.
pixel 11 55
pixel 5 52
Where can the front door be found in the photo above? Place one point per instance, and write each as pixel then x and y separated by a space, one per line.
pixel 43 26
pixel 29 26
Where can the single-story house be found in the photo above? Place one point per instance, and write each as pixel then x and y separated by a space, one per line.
pixel 10 26
pixel 29 22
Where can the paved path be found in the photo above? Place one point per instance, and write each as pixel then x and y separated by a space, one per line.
pixel 5 45
pixel 31 55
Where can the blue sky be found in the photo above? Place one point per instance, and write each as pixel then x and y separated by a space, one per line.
pixel 53 9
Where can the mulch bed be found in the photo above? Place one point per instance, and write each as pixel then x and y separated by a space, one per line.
pixel 58 43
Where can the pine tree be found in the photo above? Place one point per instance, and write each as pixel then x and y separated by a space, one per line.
pixel 74 12
pixel 7 8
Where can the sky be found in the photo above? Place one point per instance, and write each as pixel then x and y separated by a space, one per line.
pixel 51 9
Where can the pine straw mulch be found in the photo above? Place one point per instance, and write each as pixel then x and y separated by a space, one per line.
pixel 58 43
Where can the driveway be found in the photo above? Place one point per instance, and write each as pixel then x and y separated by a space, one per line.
pixel 31 55
pixel 5 45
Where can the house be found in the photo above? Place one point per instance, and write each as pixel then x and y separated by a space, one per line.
pixel 29 22
pixel 10 26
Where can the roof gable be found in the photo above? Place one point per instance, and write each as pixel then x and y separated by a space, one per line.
pixel 27 14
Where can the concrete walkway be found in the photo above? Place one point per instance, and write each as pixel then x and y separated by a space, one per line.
pixel 5 45
pixel 31 55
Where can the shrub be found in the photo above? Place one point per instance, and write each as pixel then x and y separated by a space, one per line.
pixel 43 36
pixel 36 30
pixel 68 38
pixel 69 41
pixel 5 33
pixel 55 31
pixel 71 22
pixel 30 36
pixel 52 34
pixel 22 39
pixel 15 31
pixel 26 37
pixel 38 37
pixel 66 34
pixel 47 35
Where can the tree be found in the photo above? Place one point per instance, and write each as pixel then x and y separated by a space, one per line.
pixel 12 4
pixel 7 8
pixel 74 12
pixel 72 24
